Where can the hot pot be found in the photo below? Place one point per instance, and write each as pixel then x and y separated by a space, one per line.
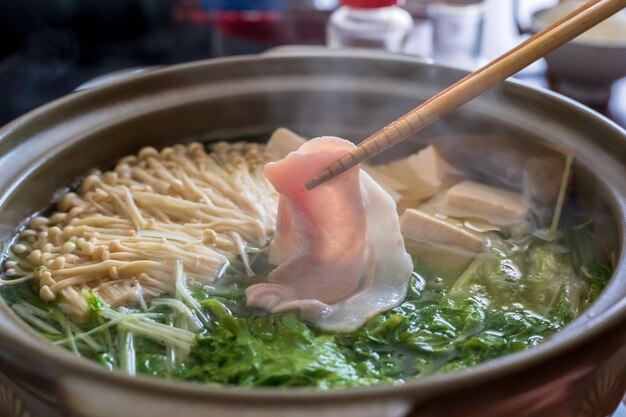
pixel 581 371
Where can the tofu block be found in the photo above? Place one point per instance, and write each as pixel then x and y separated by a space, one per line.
pixel 542 178
pixel 494 205
pixel 423 227
pixel 446 262
pixel 393 187
pixel 439 244
pixel 424 174
pixel 282 142
pixel 489 155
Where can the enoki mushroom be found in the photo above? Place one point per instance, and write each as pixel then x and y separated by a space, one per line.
pixel 122 232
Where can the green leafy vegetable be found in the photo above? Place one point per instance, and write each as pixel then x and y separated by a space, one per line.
pixel 511 297
pixel 596 275
pixel 277 350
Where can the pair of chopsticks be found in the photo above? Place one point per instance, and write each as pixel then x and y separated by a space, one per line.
pixel 539 45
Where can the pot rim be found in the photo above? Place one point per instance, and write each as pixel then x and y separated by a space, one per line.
pixel 29 344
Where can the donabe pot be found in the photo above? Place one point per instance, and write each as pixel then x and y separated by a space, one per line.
pixel 579 371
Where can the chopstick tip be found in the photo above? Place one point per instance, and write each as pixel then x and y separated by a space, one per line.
pixel 318 179
pixel 313 183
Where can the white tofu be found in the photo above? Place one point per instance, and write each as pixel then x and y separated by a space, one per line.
pixel 423 227
pixel 393 187
pixel 495 205
pixel 282 142
pixel 439 244
pixel 424 174
pixel 542 178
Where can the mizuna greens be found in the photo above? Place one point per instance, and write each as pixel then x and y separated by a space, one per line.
pixel 506 301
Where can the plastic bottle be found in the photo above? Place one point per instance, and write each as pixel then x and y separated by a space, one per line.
pixel 374 24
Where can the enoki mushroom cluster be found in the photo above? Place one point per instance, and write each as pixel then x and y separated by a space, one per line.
pixel 122 232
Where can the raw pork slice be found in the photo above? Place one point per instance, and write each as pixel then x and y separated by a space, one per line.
pixel 338 249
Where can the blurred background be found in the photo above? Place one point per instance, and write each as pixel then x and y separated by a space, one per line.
pixel 50 47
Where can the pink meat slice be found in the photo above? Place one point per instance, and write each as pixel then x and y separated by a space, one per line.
pixel 327 260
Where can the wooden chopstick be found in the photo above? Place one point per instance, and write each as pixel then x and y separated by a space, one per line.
pixel 539 45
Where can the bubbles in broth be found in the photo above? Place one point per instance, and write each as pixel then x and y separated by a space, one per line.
pixel 145 268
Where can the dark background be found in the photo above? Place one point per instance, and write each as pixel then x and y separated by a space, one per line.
pixel 49 47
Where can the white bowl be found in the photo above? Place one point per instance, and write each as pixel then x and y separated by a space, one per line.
pixel 586 67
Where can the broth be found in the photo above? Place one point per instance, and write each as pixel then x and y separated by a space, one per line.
pixel 526 282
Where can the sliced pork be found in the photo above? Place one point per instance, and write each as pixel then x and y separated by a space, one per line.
pixel 338 249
